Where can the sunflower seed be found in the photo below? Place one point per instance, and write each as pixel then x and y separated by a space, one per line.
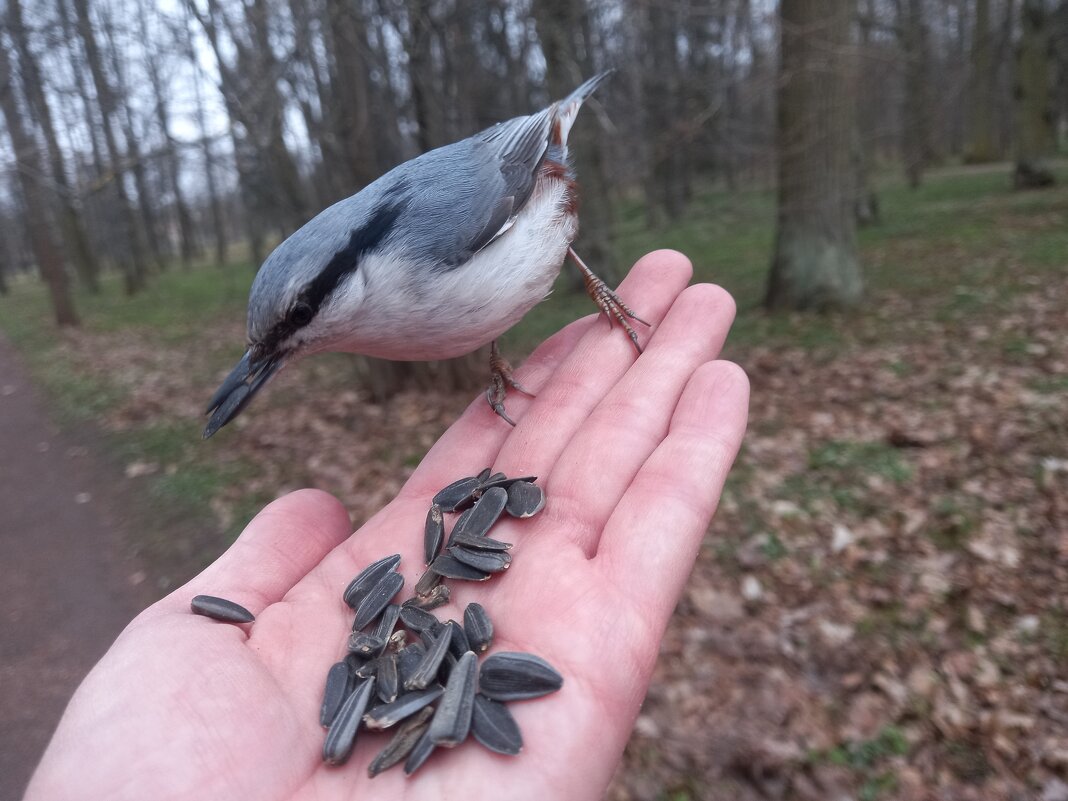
pixel 386 678
pixel 494 727
pixel 485 561
pixel 427 670
pixel 366 645
pixel 355 662
pixel 438 596
pixel 385 715
pixel 417 619
pixel 458 495
pixel 459 525
pixel 501 480
pixel 220 609
pixel 483 514
pixel 422 751
pixel 366 670
pixel 387 622
pixel 458 643
pixel 402 743
pixel 515 677
pixel 341 737
pixel 433 533
pixel 368 578
pixel 450 567
pixel 397 639
pixel 408 659
pixel 478 628
pixel 377 599
pixel 427 582
pixel 482 543
pixel 485 474
pixel 452 720
pixel 525 499
pixel 334 693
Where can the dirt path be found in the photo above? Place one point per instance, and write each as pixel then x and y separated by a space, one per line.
pixel 67 585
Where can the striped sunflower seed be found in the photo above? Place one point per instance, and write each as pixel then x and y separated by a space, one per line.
pixel 483 543
pixel 426 584
pixel 483 515
pixel 334 693
pixel 387 622
pixel 368 578
pixel 494 727
pixel 418 620
pixel 525 499
pixel 501 480
pixel 478 628
pixel 385 715
pixel 426 672
pixel 450 567
pixel 458 495
pixel 419 754
pixel 438 596
pixel 458 645
pixel 377 599
pixel 386 678
pixel 486 561
pixel 483 475
pixel 220 609
pixel 452 720
pixel 408 659
pixel 433 533
pixel 341 737
pixel 514 676
pixel 459 525
pixel 402 743
pixel 366 645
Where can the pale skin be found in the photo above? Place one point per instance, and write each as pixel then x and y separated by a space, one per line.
pixel 632 454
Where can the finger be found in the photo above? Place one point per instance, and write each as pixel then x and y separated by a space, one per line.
pixel 632 419
pixel 653 536
pixel 281 545
pixel 598 361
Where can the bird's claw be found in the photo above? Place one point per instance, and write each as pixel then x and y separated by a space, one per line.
pixel 608 301
pixel 500 380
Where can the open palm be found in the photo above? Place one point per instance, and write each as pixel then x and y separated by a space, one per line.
pixel 632 455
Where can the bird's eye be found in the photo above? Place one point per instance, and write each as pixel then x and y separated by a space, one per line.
pixel 301 314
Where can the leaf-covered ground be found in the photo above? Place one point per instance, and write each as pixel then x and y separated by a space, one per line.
pixel 879 608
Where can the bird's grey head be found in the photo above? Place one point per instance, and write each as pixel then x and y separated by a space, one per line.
pixel 294 303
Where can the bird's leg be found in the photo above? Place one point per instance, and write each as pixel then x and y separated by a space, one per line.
pixel 500 380
pixel 607 301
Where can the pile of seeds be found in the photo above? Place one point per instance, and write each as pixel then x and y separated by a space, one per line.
pixel 409 671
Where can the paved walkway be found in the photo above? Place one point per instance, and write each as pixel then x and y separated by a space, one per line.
pixel 66 585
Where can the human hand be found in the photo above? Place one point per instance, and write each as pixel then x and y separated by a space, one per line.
pixel 632 456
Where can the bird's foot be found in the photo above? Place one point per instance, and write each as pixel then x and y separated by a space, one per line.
pixel 608 301
pixel 500 380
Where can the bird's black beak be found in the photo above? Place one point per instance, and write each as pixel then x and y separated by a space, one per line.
pixel 239 387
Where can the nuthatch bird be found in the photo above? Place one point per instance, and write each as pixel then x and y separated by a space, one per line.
pixel 436 258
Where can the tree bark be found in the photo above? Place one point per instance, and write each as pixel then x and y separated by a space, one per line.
pixel 30 168
pixel 982 141
pixel 815 265
pixel 1033 114
pixel 915 141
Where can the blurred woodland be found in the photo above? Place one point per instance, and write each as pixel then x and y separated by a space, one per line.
pixel 878 611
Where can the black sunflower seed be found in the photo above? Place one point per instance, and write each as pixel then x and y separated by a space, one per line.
pixel 452 720
pixel 450 567
pixel 501 480
pixel 368 578
pixel 341 737
pixel 491 480
pixel 402 743
pixel 459 525
pixel 483 515
pixel 419 754
pixel 334 693
pixel 408 659
pixel 482 476
pixel 525 499
pixel 417 619
pixel 458 639
pixel 354 661
pixel 426 584
pixel 377 599
pixel 385 715
pixel 433 533
pixel 386 678
pixel 482 543
pixel 427 671
pixel 478 628
pixel 366 669
pixel 439 596
pixel 486 561
pixel 366 645
pixel 387 622
pixel 220 609
pixel 514 677
pixel 494 727
pixel 458 495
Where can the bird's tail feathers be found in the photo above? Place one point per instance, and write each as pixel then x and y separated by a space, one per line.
pixel 568 108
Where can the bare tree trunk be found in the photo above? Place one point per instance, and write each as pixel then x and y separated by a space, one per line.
pixel 815 264
pixel 134 267
pixel 30 168
pixel 70 220
pixel 915 142
pixel 1033 118
pixel 982 145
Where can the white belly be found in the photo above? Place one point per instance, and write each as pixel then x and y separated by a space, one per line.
pixel 460 310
